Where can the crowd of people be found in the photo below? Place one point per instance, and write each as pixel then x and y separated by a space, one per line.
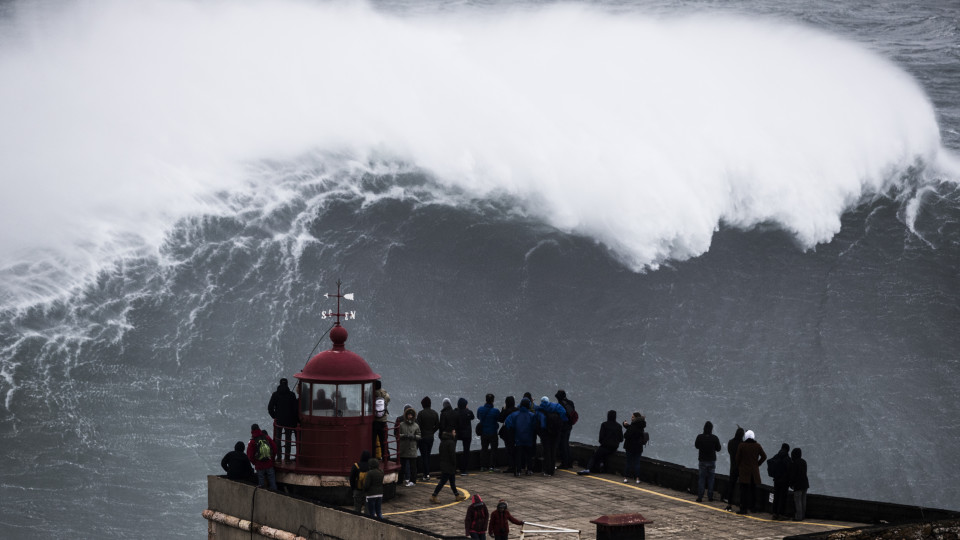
pixel 517 428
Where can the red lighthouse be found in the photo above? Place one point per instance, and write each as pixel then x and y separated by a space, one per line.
pixel 336 393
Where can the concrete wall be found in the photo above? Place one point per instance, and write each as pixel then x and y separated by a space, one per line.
pixel 293 514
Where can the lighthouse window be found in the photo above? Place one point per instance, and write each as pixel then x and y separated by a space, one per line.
pixel 304 389
pixel 323 399
pixel 351 400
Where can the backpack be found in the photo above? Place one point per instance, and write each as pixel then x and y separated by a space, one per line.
pixel 263 452
pixel 380 406
pixel 646 438
pixel 572 415
pixel 361 477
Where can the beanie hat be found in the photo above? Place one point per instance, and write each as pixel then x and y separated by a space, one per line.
pixel 446 401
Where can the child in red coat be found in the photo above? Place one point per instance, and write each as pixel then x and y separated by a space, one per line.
pixel 500 521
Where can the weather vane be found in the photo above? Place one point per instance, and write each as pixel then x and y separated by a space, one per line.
pixel 346 316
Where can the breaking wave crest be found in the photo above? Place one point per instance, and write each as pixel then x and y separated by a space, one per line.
pixel 645 133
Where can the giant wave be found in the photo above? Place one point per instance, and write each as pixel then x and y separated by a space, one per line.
pixel 644 132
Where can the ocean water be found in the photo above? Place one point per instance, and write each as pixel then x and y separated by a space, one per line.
pixel 745 212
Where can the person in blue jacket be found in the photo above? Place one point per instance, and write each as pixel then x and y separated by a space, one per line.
pixel 524 423
pixel 554 417
pixel 488 417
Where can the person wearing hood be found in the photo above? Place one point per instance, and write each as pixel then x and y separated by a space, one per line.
pixel 408 436
pixel 633 446
pixel 611 435
pixel 732 446
pixel 475 522
pixel 237 465
pixel 464 433
pixel 429 422
pixel 500 520
pixel 358 471
pixel 448 455
pixel 509 407
pixel 799 483
pixel 524 424
pixel 554 416
pixel 488 419
pixel 779 468
pixel 284 409
pixel 261 451
pixel 373 488
pixel 563 445
pixel 750 456
pixel 708 445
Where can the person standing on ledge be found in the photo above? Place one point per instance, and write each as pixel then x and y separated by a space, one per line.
pixel 750 456
pixel 708 444
pixel 633 441
pixel 563 445
pixel 373 489
pixel 429 422
pixel 799 483
pixel 261 451
pixel 488 422
pixel 732 445
pixel 779 469
pixel 283 408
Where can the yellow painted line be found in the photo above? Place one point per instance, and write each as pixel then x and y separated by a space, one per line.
pixel 715 509
pixel 432 506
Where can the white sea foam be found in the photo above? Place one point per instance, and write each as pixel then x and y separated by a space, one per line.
pixel 646 133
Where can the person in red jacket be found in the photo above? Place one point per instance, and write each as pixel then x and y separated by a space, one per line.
pixel 257 454
pixel 500 521
pixel 476 520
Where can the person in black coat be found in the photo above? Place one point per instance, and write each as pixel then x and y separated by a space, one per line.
pixel 611 435
pixel 633 441
pixel 799 483
pixel 237 465
pixel 732 445
pixel 284 410
pixel 708 445
pixel 780 466
pixel 464 433
pixel 509 407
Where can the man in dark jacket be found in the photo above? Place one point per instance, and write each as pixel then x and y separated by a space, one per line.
pixel 633 441
pixel 779 468
pixel 799 483
pixel 489 418
pixel 563 444
pixel 611 435
pixel 464 433
pixel 448 461
pixel 283 408
pixel 429 422
pixel 237 465
pixel 732 445
pixel 708 445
